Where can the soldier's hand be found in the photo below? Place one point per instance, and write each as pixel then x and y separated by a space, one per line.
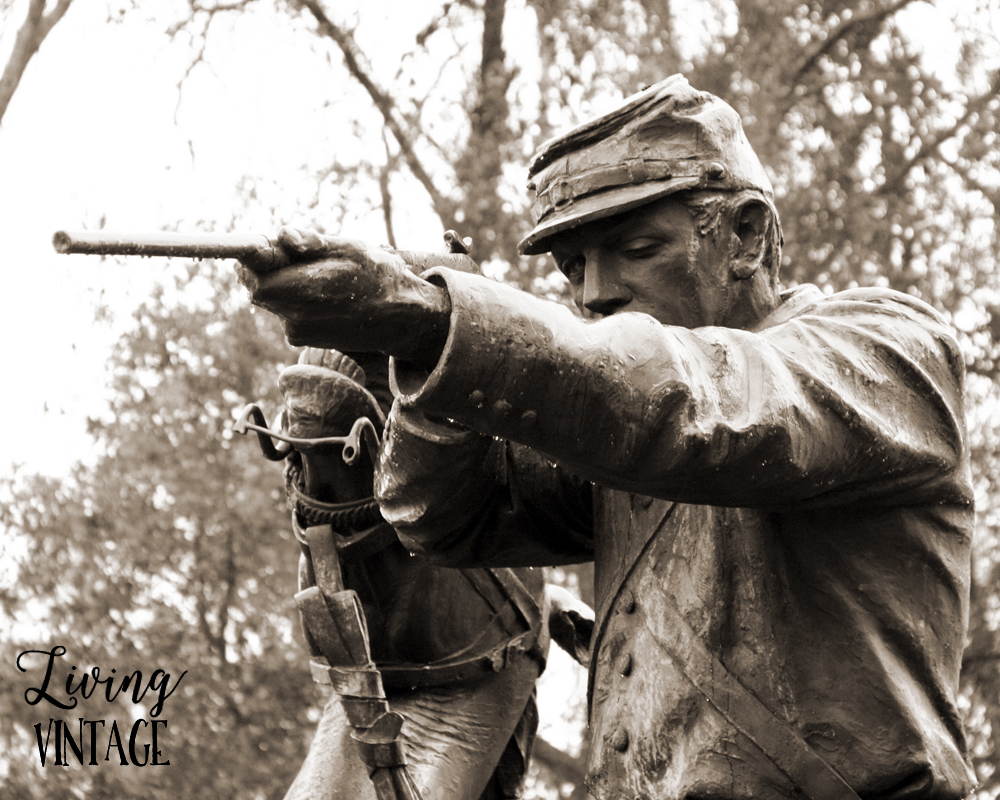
pixel 348 295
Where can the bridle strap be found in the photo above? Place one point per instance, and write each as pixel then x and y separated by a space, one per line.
pixel 351 515
pixel 363 427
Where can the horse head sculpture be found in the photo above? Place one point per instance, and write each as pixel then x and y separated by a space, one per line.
pixel 432 669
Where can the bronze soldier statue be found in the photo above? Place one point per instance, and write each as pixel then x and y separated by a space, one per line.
pixel 774 485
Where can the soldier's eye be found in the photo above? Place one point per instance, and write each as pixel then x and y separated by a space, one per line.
pixel 573 268
pixel 643 247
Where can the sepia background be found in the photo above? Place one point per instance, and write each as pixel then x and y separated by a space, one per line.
pixel 139 533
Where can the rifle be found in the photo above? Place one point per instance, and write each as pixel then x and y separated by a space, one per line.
pixel 168 244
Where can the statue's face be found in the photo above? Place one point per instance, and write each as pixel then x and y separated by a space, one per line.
pixel 652 260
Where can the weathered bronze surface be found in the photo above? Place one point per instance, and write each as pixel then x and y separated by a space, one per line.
pixel 774 486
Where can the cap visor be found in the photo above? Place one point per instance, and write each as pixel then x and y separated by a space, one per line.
pixel 599 206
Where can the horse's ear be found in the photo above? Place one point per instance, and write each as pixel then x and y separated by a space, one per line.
pixel 749 239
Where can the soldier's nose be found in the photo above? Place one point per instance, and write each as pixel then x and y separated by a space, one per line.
pixel 603 292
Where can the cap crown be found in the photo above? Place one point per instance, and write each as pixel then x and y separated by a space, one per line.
pixel 664 139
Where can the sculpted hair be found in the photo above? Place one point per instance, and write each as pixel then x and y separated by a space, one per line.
pixel 715 212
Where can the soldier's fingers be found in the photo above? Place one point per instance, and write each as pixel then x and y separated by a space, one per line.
pixel 313 356
pixel 305 245
pixel 298 241
pixel 246 275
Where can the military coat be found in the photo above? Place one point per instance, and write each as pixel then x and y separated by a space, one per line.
pixel 798 496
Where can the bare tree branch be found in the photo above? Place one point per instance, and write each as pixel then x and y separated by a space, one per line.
pixel 878 16
pixel 353 60
pixel 846 28
pixel 415 117
pixel 931 146
pixel 56 14
pixel 563 766
pixel 383 185
pixel 208 13
pixel 433 25
pixel 199 58
pixel 198 8
pixel 29 38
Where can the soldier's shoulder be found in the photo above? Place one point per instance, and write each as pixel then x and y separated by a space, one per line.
pixel 897 321
pixel 809 299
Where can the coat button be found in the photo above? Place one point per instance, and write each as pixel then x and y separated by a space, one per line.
pixel 477 398
pixel 628 601
pixel 625 665
pixel 619 740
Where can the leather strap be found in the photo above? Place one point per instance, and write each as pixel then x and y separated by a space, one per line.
pixel 744 711
pixel 336 627
pixel 473 662
pixel 349 681
pixel 723 690
pixel 522 599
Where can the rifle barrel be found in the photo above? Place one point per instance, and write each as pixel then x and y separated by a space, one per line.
pixel 163 244
pixel 267 254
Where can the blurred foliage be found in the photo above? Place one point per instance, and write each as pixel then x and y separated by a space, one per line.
pixel 877 120
pixel 172 552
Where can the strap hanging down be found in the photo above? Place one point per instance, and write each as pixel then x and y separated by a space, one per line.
pixel 336 628
pixel 786 749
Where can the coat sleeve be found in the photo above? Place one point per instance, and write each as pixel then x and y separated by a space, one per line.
pixel 854 398
pixel 464 499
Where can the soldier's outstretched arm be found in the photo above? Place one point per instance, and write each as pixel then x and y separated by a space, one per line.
pixel 351 296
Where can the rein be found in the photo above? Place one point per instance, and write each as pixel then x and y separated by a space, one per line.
pixel 353 514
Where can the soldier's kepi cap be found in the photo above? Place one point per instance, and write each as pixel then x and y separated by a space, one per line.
pixel 665 139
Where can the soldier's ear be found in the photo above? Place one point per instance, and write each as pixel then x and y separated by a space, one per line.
pixel 749 239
